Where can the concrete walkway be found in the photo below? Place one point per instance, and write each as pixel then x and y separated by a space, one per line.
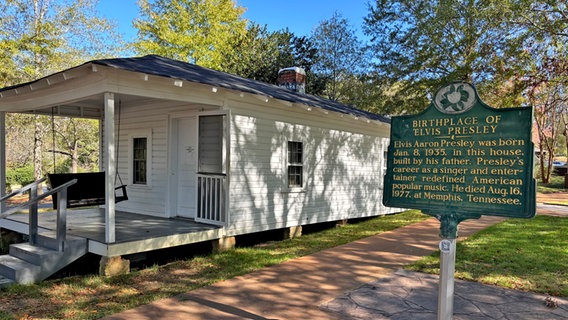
pixel 323 285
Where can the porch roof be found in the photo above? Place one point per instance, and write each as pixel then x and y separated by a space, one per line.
pixel 165 67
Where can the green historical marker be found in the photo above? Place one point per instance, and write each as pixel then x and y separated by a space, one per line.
pixel 461 159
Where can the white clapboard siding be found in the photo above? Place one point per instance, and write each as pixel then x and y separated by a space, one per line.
pixel 343 163
pixel 153 117
pixel 343 160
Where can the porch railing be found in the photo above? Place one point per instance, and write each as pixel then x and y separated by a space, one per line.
pixel 211 198
pixel 32 204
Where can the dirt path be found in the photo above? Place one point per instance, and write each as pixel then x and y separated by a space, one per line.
pixel 552 197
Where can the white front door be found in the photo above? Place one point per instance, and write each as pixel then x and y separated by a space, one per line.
pixel 186 167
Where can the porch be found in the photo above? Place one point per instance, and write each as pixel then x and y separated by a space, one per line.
pixel 134 232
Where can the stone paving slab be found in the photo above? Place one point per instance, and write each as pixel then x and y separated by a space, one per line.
pixel 407 295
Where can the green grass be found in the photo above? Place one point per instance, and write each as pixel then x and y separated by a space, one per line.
pixel 92 297
pixel 528 255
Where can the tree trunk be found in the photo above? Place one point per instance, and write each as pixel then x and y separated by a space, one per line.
pixel 75 158
pixel 543 175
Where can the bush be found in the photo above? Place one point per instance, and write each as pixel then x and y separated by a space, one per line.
pixel 20 176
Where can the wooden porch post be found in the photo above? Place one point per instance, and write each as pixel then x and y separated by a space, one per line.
pixel 110 167
pixel 2 158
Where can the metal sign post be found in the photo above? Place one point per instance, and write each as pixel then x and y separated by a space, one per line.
pixel 461 159
pixel 446 288
pixel 449 233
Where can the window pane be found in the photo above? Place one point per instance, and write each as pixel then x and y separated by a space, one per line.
pixel 295 176
pixel 139 158
pixel 211 136
pixel 294 152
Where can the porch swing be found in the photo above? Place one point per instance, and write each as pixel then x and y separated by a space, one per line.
pixel 90 187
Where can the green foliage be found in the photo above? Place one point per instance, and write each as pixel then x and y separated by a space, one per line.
pixel 420 45
pixel 197 31
pixel 42 37
pixel 20 176
pixel 340 57
pixel 259 54
pixel 77 142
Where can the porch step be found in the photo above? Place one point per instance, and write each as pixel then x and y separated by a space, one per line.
pixel 48 240
pixel 34 254
pixel 18 270
pixel 27 263
pixel 5 282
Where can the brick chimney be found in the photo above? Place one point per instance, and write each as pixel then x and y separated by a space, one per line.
pixel 293 78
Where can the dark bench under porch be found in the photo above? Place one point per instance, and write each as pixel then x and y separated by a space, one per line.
pixel 88 191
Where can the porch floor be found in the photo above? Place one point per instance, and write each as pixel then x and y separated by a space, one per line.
pixel 130 227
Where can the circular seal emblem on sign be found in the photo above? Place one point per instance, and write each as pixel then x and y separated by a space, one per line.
pixel 455 98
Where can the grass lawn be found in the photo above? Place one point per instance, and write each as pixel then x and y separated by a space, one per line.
pixel 528 255
pixel 92 297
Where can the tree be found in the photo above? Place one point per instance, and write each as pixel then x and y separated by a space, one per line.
pixel 546 98
pixel 421 45
pixel 340 57
pixel 259 54
pixel 547 19
pixel 304 54
pixel 545 81
pixel 77 140
pixel 198 31
pixel 40 37
pixel 19 133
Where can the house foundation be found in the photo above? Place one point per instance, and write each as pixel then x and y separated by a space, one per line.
pixel 292 232
pixel 113 266
pixel 341 223
pixel 224 244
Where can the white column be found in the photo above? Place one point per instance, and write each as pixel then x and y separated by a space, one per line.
pixel 2 158
pixel 109 167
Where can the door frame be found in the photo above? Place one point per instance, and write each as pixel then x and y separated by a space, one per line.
pixel 172 158
pixel 173 139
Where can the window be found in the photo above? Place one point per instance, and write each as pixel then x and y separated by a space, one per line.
pixel 140 157
pixel 211 144
pixel 139 160
pixel 295 164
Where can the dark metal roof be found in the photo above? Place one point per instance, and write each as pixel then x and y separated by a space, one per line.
pixel 165 67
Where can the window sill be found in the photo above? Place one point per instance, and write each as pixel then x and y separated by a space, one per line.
pixel 139 186
pixel 294 190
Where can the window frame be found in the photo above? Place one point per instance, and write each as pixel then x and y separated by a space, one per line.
pixel 223 132
pixel 140 134
pixel 294 164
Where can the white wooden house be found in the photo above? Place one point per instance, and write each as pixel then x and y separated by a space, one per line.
pixel 207 155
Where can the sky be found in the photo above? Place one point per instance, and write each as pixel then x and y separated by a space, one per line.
pixel 299 16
